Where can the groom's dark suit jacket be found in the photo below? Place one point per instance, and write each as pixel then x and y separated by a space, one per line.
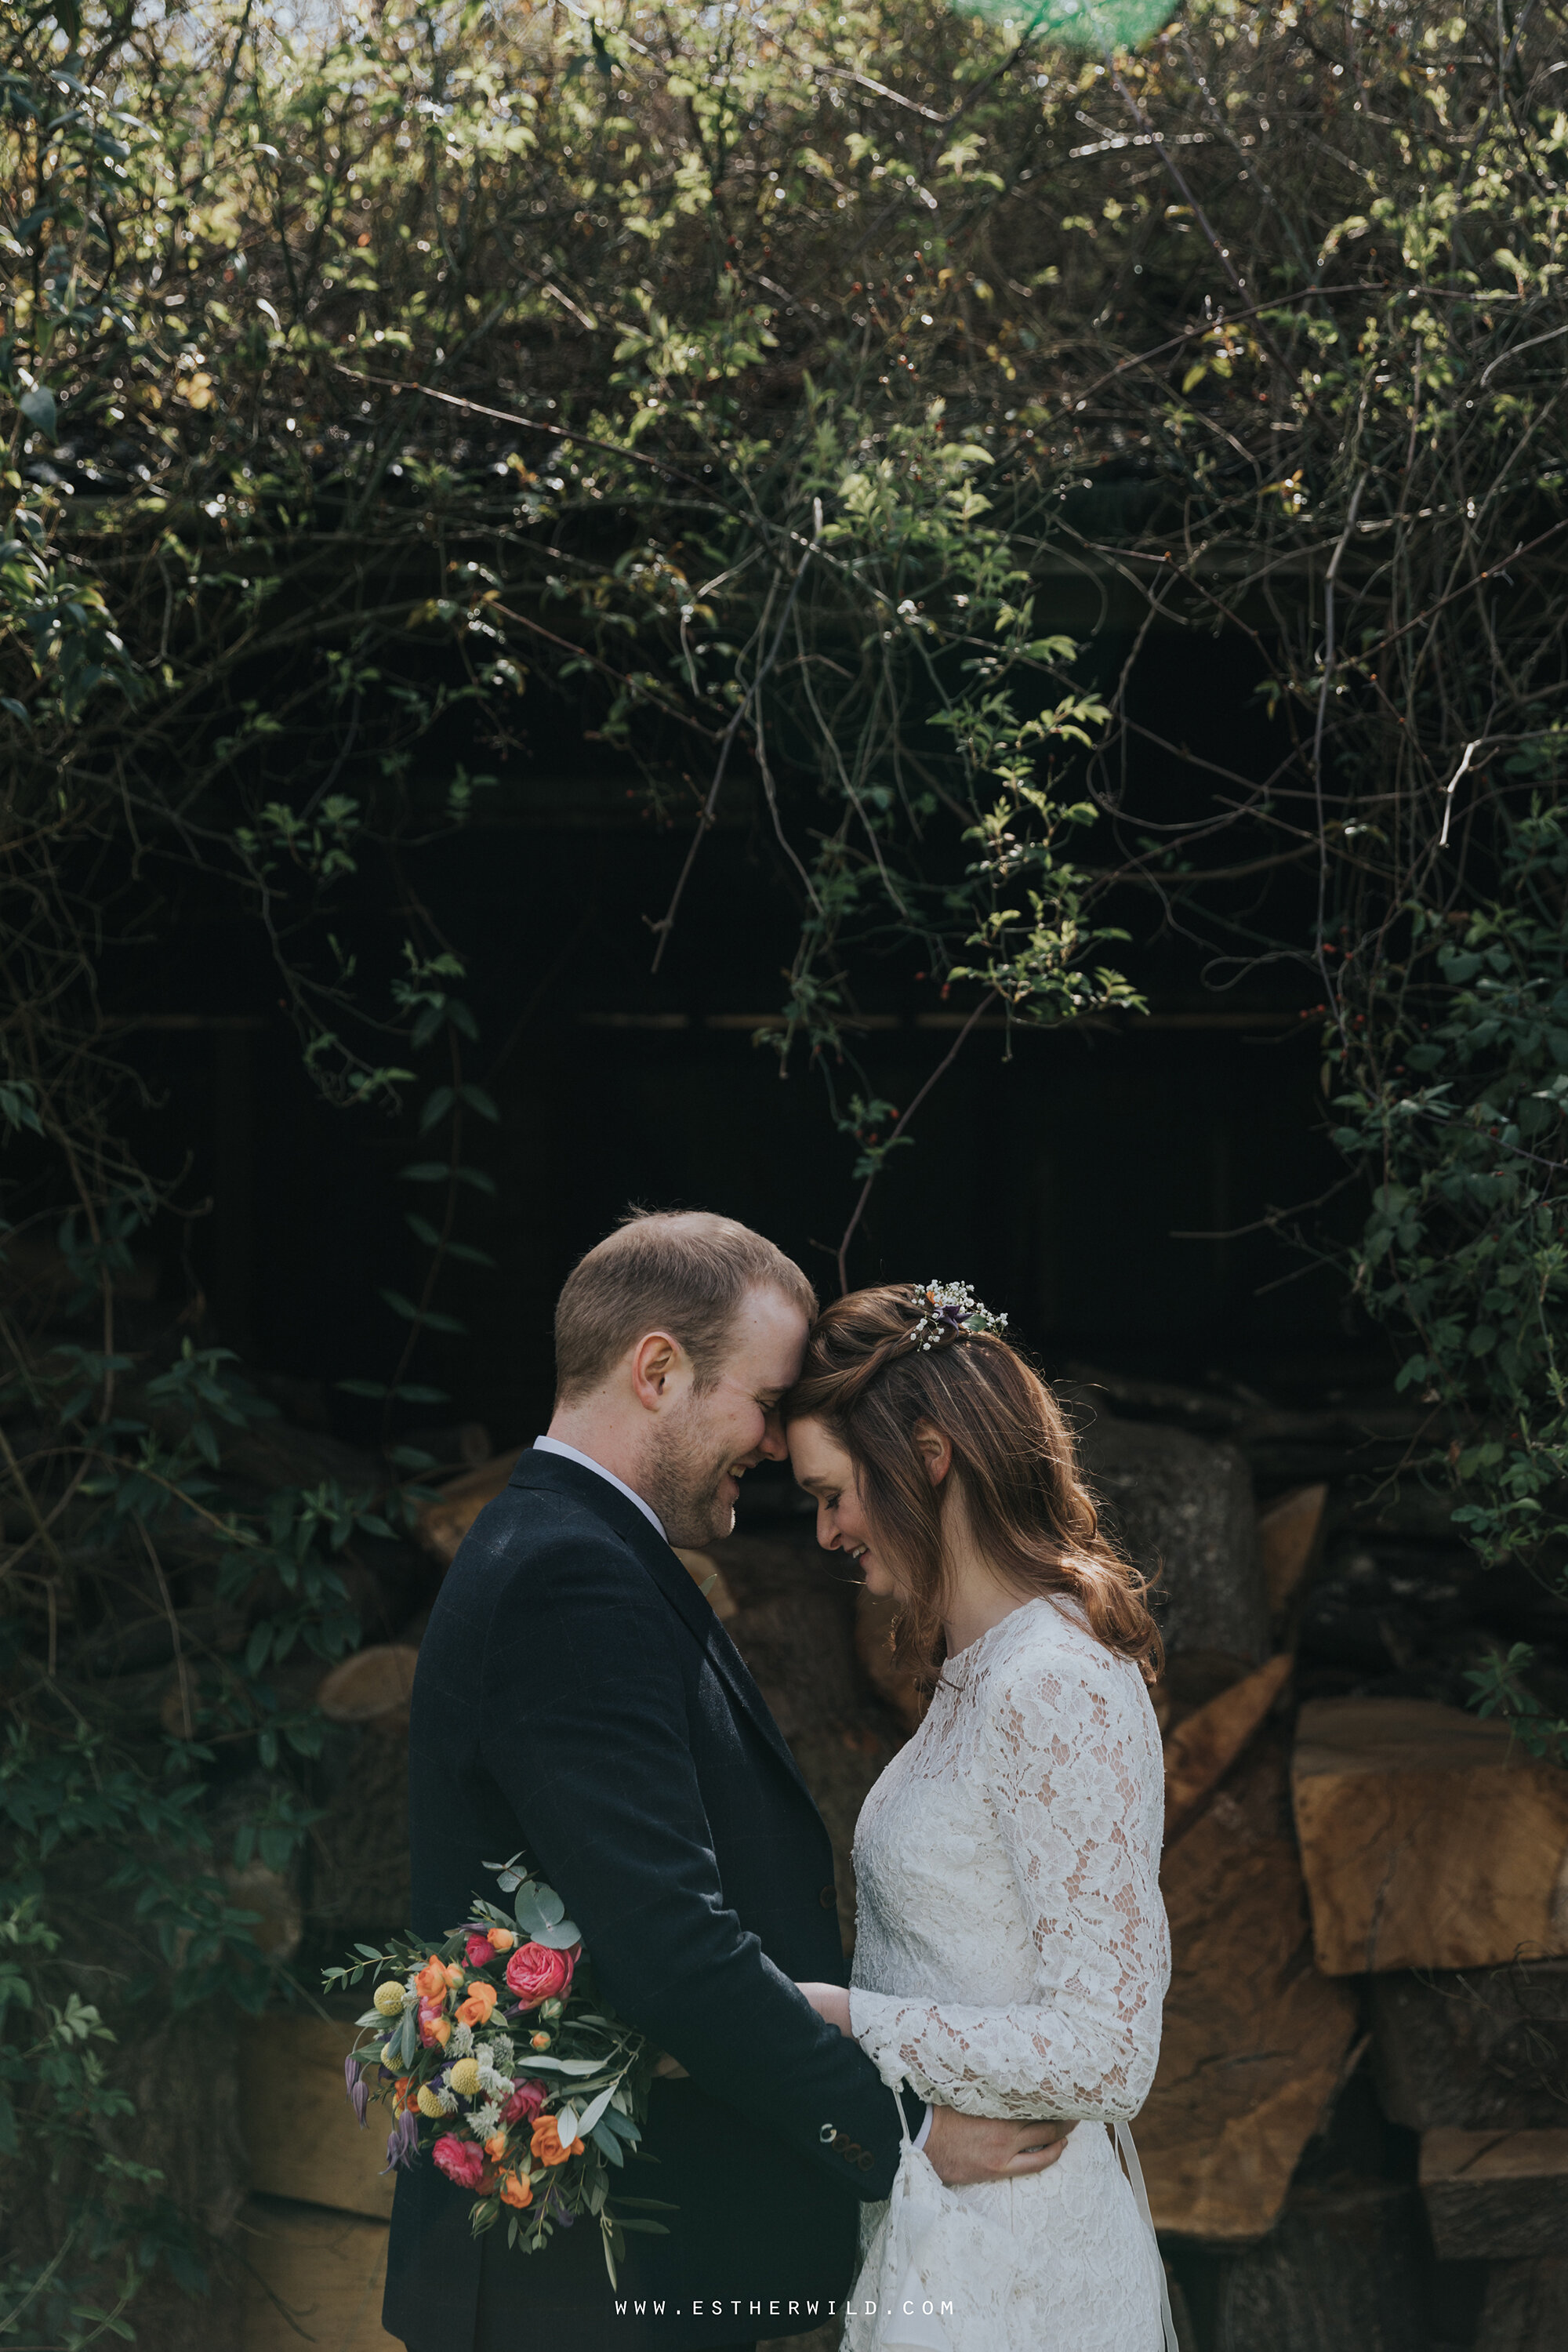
pixel 577 1698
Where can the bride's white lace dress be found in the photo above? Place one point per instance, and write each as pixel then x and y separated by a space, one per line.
pixel 1011 1958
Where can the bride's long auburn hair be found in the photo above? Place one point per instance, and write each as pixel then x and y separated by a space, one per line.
pixel 1013 1461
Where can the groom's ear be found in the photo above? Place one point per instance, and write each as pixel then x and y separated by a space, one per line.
pixel 934 1449
pixel 655 1361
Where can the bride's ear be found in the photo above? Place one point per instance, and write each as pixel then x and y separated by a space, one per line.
pixel 934 1450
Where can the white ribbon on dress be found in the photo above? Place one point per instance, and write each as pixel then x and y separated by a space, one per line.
pixel 914 2210
pixel 1129 2155
pixel 913 2213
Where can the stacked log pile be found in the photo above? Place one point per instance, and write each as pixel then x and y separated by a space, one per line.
pixel 1358 2136
pixel 313 2235
pixel 1401 1990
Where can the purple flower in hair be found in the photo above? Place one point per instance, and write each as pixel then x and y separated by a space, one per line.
pixel 946 1307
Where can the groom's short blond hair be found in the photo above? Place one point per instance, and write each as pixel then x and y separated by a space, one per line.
pixel 683 1271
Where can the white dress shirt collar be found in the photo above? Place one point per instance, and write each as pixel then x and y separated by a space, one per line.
pixel 586 1462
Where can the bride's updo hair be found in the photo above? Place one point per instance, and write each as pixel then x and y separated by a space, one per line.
pixel 873 1370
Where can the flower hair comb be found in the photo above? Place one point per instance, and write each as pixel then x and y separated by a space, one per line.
pixel 948 1309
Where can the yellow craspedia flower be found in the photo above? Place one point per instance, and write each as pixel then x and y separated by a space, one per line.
pixel 464 2078
pixel 388 1999
pixel 430 2102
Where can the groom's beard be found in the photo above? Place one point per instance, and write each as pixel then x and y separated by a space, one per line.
pixel 688 1488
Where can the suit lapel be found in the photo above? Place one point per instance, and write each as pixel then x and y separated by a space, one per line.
pixel 554 1475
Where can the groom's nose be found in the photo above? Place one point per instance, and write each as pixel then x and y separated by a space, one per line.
pixel 774 1446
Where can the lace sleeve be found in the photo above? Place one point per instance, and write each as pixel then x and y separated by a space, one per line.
pixel 1070 1760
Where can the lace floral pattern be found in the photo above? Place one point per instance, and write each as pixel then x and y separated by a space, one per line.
pixel 1011 1958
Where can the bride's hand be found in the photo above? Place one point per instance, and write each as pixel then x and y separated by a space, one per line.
pixel 830 2002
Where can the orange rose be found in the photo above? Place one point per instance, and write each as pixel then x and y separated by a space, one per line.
pixel 547 2144
pixel 501 1937
pixel 495 2146
pixel 514 2190
pixel 431 1980
pixel 482 1999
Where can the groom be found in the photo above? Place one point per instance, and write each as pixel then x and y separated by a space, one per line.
pixel 577 1698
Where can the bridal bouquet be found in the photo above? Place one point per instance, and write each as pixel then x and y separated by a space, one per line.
pixel 498 2062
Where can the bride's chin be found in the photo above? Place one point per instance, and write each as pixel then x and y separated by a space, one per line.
pixel 878 1583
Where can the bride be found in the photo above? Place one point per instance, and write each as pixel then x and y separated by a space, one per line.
pixel 1011 1953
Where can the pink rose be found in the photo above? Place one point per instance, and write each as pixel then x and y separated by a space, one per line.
pixel 479 1952
pixel 526 2100
pixel 535 1973
pixel 462 2161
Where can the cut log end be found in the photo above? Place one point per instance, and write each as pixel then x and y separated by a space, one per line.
pixel 1495 2194
pixel 372 1687
pixel 1428 1840
pixel 1201 1750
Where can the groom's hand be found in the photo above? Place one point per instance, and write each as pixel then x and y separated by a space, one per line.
pixel 963 2150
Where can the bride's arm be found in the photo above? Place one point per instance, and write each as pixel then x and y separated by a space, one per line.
pixel 1073 1768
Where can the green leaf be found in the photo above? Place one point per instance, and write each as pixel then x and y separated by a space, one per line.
pixel 437 1106
pixel 476 1099
pixel 529 1916
pixel 559 1938
pixel 38 407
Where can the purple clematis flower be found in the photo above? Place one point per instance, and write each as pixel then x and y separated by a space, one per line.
pixel 557 2210
pixel 402 2143
pixel 353 2082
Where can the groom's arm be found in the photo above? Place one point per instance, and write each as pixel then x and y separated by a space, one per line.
pixel 586 1730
